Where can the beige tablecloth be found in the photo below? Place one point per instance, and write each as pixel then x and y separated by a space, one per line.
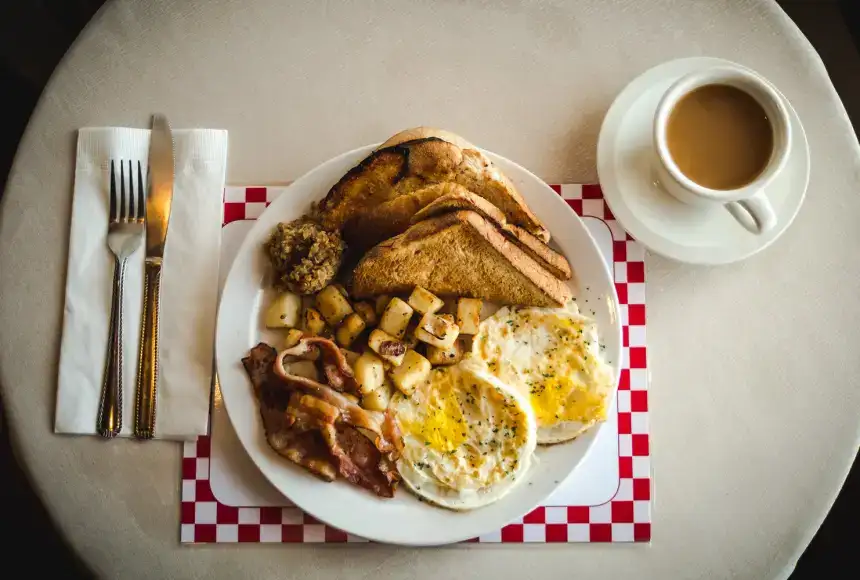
pixel 755 368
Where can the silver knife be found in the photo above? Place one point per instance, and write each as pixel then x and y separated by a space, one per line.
pixel 158 201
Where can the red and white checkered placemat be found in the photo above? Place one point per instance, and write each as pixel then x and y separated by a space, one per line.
pixel 626 517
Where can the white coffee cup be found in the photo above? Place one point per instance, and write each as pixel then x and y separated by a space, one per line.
pixel 748 204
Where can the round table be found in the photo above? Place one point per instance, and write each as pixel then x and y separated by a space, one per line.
pixel 754 392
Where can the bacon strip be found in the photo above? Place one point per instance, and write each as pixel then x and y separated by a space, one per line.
pixel 337 371
pixel 359 461
pixel 306 412
pixel 352 413
pixel 305 448
pixel 316 425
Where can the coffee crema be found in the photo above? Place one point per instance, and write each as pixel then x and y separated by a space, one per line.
pixel 719 137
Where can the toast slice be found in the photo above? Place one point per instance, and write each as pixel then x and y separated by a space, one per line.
pixel 459 253
pixel 411 161
pixel 461 199
pixel 395 215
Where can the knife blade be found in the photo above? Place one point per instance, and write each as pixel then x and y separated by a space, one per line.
pixel 160 196
pixel 158 202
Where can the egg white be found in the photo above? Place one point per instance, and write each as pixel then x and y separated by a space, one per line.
pixel 468 438
pixel 552 356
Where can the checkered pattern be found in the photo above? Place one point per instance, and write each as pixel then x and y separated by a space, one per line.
pixel 624 518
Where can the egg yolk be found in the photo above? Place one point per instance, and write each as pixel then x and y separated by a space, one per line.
pixel 561 399
pixel 560 348
pixel 443 428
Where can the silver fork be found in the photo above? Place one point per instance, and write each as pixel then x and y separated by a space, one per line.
pixel 125 234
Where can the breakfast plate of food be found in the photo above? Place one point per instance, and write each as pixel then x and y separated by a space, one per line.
pixel 403 342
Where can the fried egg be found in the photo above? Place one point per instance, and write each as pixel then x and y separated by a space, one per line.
pixel 553 357
pixel 468 438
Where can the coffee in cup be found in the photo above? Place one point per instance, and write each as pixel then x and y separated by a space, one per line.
pixel 721 136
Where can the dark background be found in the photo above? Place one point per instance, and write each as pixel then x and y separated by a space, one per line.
pixel 34 35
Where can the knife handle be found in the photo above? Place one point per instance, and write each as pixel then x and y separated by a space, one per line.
pixel 147 370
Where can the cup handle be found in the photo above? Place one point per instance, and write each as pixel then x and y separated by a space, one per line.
pixel 755 214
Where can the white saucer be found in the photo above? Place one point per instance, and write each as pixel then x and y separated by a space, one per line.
pixel 625 161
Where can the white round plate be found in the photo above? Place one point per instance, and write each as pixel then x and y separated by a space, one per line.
pixel 625 162
pixel 403 519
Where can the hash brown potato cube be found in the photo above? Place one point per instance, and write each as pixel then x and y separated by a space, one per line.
pixel 469 314
pixel 386 346
pixel 424 301
pixel 294 335
pixel 284 311
pixel 369 372
pixel 411 372
pixel 445 356
pixel 396 318
pixel 312 322
pixel 377 399
pixel 333 305
pixel 437 330
pixel 350 328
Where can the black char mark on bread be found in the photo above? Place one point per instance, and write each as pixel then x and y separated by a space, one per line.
pixel 409 166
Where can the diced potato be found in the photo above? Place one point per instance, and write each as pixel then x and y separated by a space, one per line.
pixel 377 399
pixel 369 372
pixel 304 368
pixel 425 302
pixel 411 372
pixel 367 311
pixel 438 330
pixel 312 322
pixel 469 314
pixel 294 335
pixel 381 302
pixel 333 305
pixel 396 318
pixel 386 346
pixel 445 356
pixel 284 311
pixel 351 357
pixel 348 331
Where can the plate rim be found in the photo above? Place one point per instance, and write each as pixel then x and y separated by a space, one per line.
pixel 590 435
pixel 653 241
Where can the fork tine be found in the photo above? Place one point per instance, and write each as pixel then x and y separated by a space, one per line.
pixel 131 214
pixel 141 204
pixel 122 214
pixel 112 216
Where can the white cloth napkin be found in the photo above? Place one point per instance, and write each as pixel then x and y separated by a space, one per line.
pixel 189 286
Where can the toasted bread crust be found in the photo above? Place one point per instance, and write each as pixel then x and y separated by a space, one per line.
pixel 458 254
pixel 407 166
pixel 461 199
pixel 422 132
pixel 394 216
